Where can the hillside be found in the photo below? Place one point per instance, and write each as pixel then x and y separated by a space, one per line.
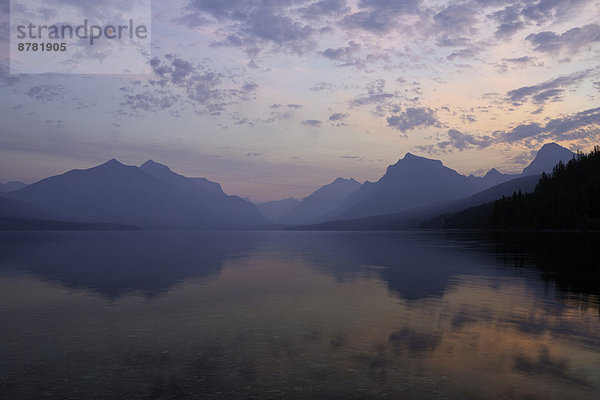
pixel 569 198
pixel 114 193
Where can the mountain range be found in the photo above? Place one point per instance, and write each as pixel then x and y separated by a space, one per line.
pixel 152 196
pixel 273 210
pixel 11 186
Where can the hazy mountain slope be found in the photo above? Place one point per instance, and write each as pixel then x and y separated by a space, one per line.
pixel 569 198
pixel 434 214
pixel 196 186
pixel 12 208
pixel 116 193
pixel 313 208
pixel 547 157
pixel 273 210
pixel 230 209
pixel 11 186
pixel 492 178
pixel 412 182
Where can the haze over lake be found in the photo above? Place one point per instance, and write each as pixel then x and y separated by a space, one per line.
pixel 416 314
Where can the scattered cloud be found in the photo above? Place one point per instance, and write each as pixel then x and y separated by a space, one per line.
pixel 414 117
pixel 177 79
pixel 376 94
pixel 380 16
pixel 255 25
pixel 570 41
pixel 49 93
pixel 149 101
pixel 338 116
pixel 585 124
pixel 549 90
pixel 324 8
pixel 312 123
pixel 462 141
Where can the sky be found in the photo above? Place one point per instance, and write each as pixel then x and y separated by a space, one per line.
pixel 274 99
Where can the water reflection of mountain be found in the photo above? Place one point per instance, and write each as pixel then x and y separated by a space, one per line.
pixel 568 260
pixel 413 264
pixel 114 263
pixel 422 264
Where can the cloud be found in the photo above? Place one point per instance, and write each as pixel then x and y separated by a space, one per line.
pixel 549 90
pixel 518 14
pixel 342 53
pixel 550 10
pixel 456 19
pixel 312 122
pixel 510 21
pixel 376 94
pixel 47 92
pixel 585 124
pixel 467 52
pixel 380 16
pixel 468 118
pixel 523 60
pixel 208 91
pixel 570 41
pixel 320 86
pixel 149 101
pixel 324 8
pixel 463 141
pixel 192 20
pixel 412 118
pixel 252 24
pixel 338 116
pixel 346 56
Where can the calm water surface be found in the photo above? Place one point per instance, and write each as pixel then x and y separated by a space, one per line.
pixel 402 315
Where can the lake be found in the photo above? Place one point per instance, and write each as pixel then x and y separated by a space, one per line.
pixel 270 315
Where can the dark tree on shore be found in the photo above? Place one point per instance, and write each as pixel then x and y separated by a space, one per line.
pixel 569 198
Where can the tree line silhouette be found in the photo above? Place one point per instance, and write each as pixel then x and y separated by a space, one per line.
pixel 569 198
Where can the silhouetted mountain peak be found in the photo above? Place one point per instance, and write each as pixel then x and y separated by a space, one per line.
pixel 493 172
pixel 151 164
pixel 550 147
pixel 410 158
pixel 547 157
pixel 411 162
pixel 341 180
pixel 322 201
pixel 113 162
pixel 111 167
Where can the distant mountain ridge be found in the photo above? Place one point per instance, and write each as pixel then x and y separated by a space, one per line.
pixel 492 178
pixel 11 186
pixel 191 185
pixel 412 182
pixel 120 194
pixel 273 210
pixel 327 198
pixel 418 182
pixel 153 196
